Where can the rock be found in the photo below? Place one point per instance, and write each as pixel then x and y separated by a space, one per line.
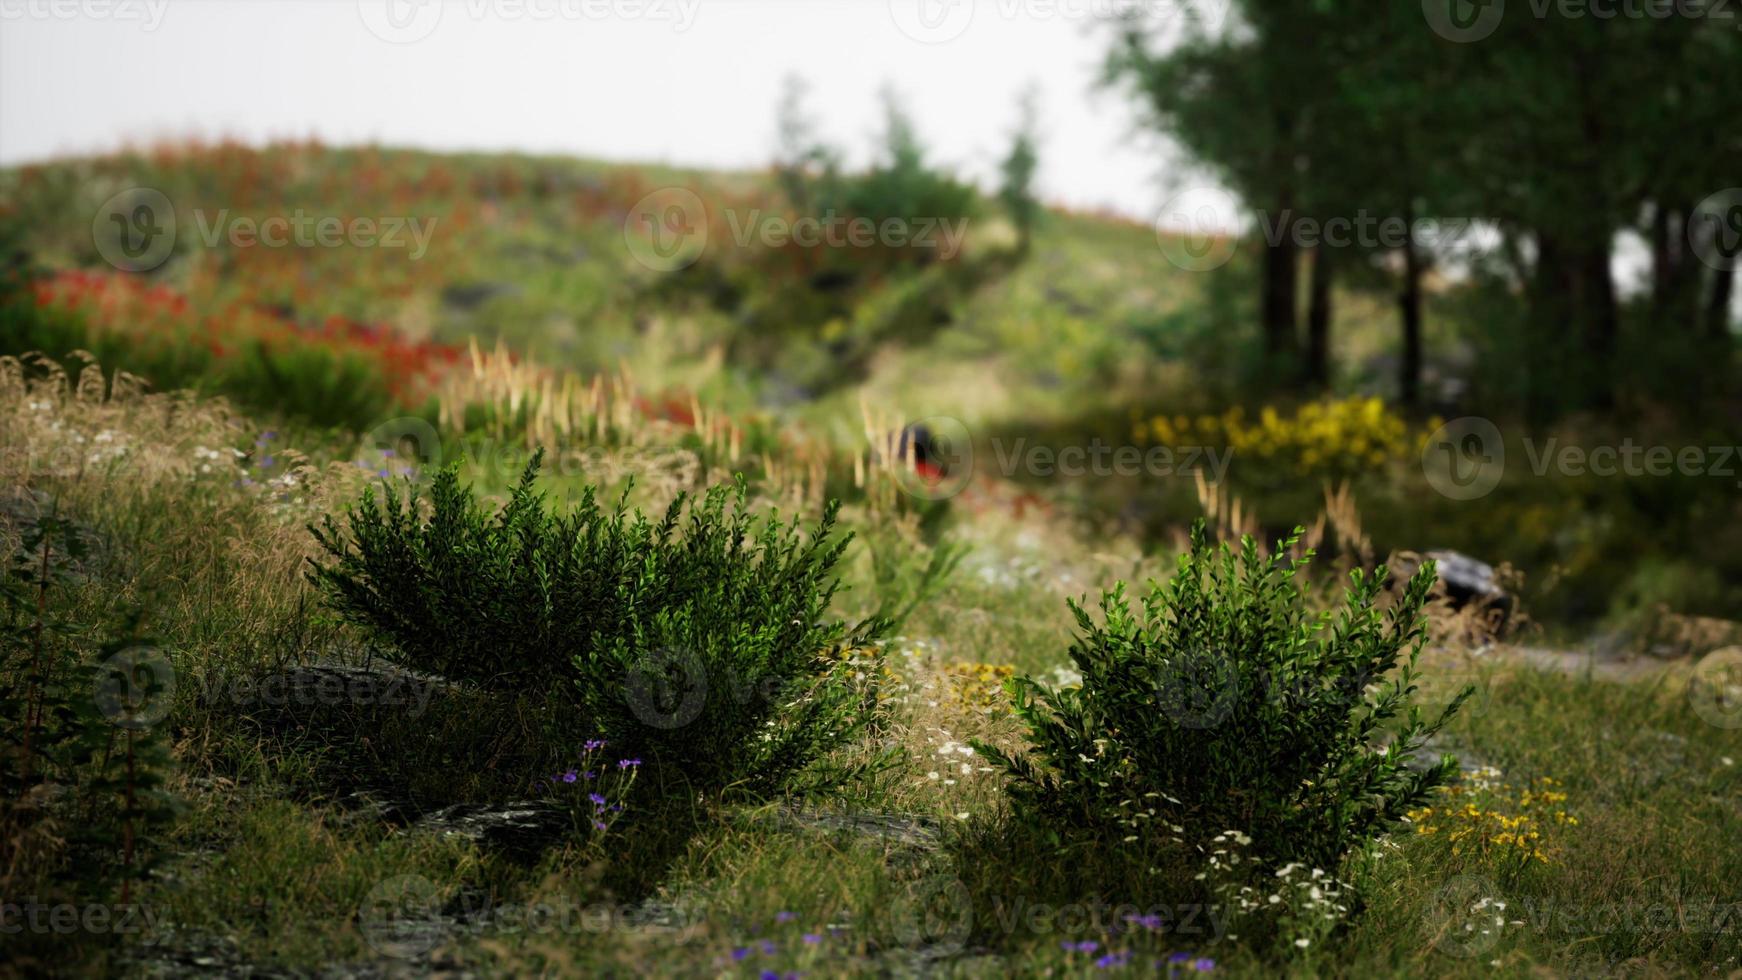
pixel 525 828
pixel 1427 756
pixel 1464 581
pixel 338 699
pixel 1467 580
pixel 1674 635
pixel 902 829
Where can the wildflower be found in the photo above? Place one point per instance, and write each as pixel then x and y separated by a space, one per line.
pixel 1204 964
pixel 569 777
pixel 784 917
pixel 739 954
pixel 596 798
pixel 1303 943
pixel 811 939
pixel 628 763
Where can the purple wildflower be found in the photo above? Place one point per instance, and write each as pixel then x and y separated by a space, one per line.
pixel 1203 964
pixel 811 939
pixel 598 800
pixel 740 953
pixel 784 917
pixel 569 777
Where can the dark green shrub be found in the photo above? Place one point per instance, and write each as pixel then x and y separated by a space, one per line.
pixel 1227 705
pixel 700 640
pixel 82 768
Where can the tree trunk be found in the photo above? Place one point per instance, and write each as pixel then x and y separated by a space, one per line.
pixel 1550 310
pixel 1596 304
pixel 1718 310
pixel 1409 306
pixel 1281 261
pixel 1675 277
pixel 1318 356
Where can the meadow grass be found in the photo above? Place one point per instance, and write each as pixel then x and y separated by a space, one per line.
pixel 300 834
pixel 926 870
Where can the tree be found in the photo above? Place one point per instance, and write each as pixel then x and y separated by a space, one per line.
pixel 1017 188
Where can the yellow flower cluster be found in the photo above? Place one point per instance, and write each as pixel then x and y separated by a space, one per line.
pixel 1490 820
pixel 1325 437
pixel 977 686
pixel 972 686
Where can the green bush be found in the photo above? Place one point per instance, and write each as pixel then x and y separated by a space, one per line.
pixel 1227 705
pixel 700 640
pixel 82 765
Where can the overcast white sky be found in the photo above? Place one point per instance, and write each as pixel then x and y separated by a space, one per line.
pixel 682 81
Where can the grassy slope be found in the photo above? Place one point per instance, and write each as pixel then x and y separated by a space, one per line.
pixel 273 868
